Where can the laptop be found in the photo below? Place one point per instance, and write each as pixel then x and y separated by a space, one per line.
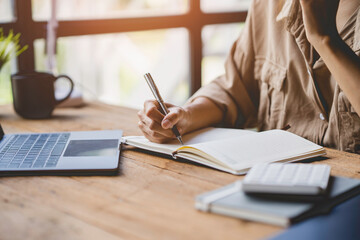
pixel 60 153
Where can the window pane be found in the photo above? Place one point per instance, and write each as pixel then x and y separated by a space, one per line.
pixel 110 67
pixel 6 11
pixel 217 40
pixel 90 9
pixel 225 5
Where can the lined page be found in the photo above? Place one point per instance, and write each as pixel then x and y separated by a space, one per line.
pixel 269 146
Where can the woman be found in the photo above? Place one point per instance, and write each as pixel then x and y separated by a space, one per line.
pixel 296 63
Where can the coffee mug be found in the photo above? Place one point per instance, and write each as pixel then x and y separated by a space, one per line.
pixel 34 94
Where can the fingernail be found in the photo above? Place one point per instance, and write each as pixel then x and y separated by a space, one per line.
pixel 166 123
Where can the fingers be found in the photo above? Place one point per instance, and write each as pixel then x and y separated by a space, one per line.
pixel 156 136
pixel 171 118
pixel 152 110
pixel 150 126
pixel 150 123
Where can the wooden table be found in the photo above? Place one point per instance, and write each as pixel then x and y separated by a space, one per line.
pixel 152 198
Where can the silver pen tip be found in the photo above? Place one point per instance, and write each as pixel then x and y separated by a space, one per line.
pixel 180 140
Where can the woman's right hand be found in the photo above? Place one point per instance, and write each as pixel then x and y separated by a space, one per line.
pixel 156 127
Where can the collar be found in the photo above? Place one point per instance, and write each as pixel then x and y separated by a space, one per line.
pixel 285 11
pixel 350 33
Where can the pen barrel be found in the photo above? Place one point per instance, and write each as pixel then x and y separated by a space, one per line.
pixel 163 107
pixel 175 131
pixel 166 111
pixel 158 97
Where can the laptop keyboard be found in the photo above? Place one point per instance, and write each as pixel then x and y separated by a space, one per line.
pixel 33 150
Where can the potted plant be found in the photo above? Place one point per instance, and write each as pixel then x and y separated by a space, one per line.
pixel 9 48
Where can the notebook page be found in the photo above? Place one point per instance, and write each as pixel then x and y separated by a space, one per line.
pixel 200 136
pixel 269 146
pixel 211 134
pixel 144 143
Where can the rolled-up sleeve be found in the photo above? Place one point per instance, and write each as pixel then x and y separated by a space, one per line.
pixel 236 92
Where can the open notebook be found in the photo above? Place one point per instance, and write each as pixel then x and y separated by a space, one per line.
pixel 234 150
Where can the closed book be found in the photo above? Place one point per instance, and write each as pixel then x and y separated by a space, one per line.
pixel 342 223
pixel 232 201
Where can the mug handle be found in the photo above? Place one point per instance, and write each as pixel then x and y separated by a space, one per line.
pixel 71 88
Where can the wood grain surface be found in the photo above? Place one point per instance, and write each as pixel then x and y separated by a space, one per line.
pixel 151 198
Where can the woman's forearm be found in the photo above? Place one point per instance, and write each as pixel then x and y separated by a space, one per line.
pixel 202 112
pixel 344 65
pixel 320 22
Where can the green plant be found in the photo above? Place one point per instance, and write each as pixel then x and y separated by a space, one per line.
pixel 9 46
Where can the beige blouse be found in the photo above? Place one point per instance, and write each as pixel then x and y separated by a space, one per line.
pixel 272 80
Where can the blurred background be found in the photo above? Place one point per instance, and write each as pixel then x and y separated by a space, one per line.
pixel 106 46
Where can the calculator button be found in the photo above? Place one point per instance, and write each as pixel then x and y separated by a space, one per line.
pixel 256 173
pixel 271 173
pixel 302 175
pixel 280 178
pixel 288 173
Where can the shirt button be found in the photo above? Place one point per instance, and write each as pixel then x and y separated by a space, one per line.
pixel 321 116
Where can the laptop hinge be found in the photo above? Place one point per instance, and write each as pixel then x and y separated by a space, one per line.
pixel 1 133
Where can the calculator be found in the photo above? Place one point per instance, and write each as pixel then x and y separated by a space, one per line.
pixel 287 178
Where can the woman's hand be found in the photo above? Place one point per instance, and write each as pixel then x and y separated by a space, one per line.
pixel 319 18
pixel 156 127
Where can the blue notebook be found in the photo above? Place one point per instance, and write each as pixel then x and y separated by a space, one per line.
pixel 342 223
pixel 232 201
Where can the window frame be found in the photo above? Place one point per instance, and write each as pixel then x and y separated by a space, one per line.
pixel 193 20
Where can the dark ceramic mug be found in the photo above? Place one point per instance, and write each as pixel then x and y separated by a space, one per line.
pixel 34 94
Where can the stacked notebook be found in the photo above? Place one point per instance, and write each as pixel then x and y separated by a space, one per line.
pixel 232 201
pixel 342 223
pixel 234 150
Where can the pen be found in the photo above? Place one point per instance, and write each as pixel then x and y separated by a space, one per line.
pixel 158 98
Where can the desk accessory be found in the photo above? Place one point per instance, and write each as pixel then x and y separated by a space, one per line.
pixel 288 179
pixel 234 150
pixel 34 95
pixel 158 98
pixel 341 223
pixel 9 46
pixel 60 153
pixel 232 201
pixel 76 99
